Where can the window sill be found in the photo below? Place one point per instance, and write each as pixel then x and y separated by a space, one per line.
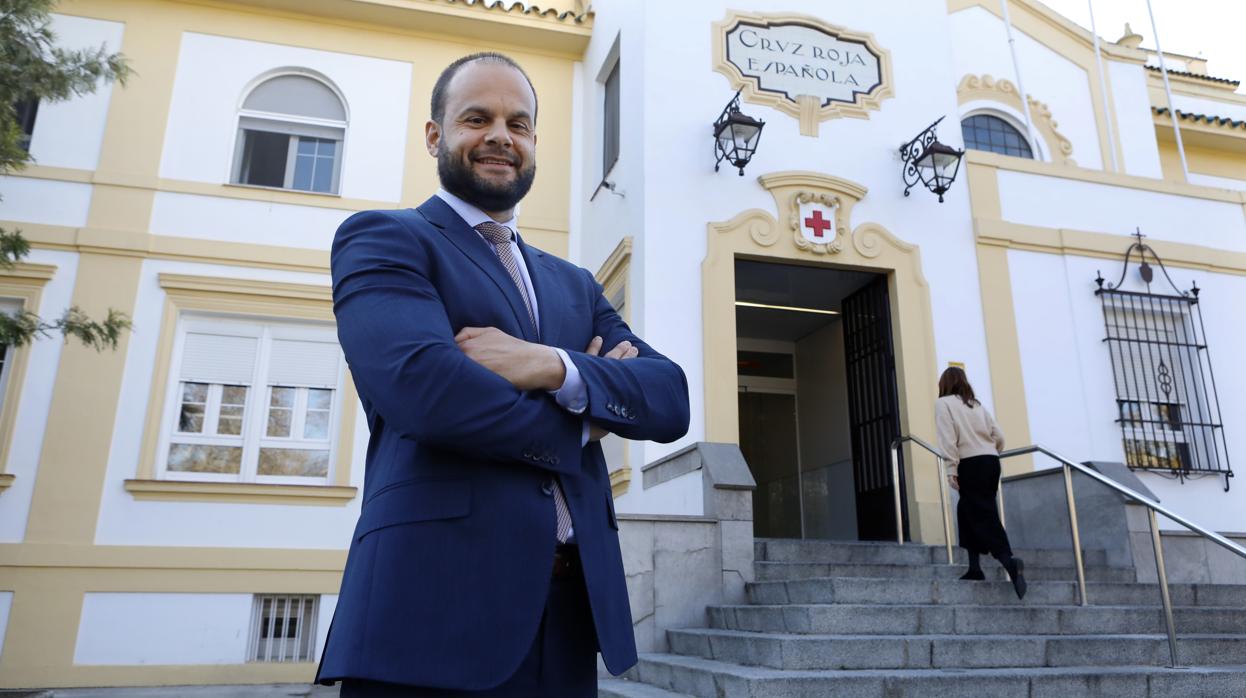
pixel 261 187
pixel 241 492
pixel 6 479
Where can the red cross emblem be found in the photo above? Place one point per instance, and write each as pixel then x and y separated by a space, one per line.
pixel 817 224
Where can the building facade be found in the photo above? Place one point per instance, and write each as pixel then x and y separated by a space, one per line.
pixel 178 511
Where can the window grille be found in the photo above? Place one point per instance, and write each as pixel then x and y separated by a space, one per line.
pixel 283 628
pixel 993 134
pixel 1167 408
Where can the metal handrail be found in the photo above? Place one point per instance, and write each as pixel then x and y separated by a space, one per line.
pixel 1068 466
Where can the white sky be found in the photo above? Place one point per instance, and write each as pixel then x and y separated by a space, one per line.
pixel 1211 29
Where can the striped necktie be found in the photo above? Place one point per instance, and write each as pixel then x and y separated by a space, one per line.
pixel 499 236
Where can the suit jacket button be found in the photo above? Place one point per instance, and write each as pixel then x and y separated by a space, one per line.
pixel 554 460
pixel 527 454
pixel 547 487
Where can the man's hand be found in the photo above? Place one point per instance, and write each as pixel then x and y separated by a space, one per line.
pixel 622 350
pixel 526 365
pixel 954 481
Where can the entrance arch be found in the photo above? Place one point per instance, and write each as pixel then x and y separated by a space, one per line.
pixel 758 235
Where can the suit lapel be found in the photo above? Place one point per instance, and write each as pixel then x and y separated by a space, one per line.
pixel 549 299
pixel 469 242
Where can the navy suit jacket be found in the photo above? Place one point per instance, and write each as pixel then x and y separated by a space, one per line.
pixel 450 563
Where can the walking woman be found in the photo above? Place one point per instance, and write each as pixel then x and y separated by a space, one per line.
pixel 971 439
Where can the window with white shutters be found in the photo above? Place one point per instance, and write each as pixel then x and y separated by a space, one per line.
pixel 252 402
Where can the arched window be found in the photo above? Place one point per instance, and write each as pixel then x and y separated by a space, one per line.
pixel 991 133
pixel 290 132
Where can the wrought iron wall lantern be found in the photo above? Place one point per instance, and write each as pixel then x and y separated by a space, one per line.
pixel 735 136
pixel 930 162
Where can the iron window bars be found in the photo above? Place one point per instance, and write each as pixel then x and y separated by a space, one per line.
pixel 1166 399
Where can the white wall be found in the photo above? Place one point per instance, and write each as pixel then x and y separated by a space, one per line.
pixel 1210 107
pixel 69 133
pixel 979 43
pixel 683 495
pixel 683 193
pixel 237 220
pixel 36 397
pixel 1067 371
pixel 126 521
pixel 150 629
pixel 213 74
pixel 1134 119
pixel 26 200
pixel 1032 200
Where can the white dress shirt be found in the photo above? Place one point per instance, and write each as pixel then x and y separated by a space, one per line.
pixel 573 394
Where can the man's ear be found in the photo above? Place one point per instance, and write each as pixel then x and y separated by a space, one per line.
pixel 432 137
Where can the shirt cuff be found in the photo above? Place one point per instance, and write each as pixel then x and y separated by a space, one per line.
pixel 573 395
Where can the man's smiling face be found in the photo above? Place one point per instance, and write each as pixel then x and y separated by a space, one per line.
pixel 486 142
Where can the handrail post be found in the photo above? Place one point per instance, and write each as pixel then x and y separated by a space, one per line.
pixel 1077 538
pixel 1000 496
pixel 943 500
pixel 895 481
pixel 1163 586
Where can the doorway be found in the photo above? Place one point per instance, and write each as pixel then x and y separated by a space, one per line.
pixel 817 399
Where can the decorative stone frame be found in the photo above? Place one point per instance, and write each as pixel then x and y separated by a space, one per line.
pixel 24 282
pixel 758 235
pixel 612 276
pixel 973 88
pixel 808 109
pixel 244 297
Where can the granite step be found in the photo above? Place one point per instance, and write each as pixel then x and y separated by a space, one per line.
pixel 773 571
pixel 861 590
pixel 899 619
pixel 866 552
pixel 625 688
pixel 793 651
pixel 697 676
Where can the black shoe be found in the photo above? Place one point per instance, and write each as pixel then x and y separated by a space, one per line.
pixel 974 576
pixel 1017 571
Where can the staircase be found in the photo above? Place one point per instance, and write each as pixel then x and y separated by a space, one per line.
pixel 830 618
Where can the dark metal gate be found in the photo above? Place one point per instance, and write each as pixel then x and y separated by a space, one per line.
pixel 873 407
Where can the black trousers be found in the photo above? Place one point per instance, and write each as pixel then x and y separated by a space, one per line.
pixel 562 661
pixel 977 516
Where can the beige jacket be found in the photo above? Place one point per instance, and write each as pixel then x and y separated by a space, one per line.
pixel 964 432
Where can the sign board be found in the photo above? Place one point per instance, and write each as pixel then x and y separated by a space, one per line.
pixel 803 66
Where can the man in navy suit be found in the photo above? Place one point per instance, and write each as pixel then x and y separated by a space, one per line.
pixel 486 559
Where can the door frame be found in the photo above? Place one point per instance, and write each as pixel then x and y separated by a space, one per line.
pixel 776 386
pixel 760 235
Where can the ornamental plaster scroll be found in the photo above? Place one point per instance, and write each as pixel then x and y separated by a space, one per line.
pixel 988 88
pixel 864 244
pixel 809 110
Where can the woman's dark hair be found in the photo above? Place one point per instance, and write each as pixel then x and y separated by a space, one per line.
pixel 955 382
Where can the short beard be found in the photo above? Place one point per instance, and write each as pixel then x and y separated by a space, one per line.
pixel 458 178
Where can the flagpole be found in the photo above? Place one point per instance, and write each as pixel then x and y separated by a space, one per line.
pixel 1172 111
pixel 1016 68
pixel 1103 89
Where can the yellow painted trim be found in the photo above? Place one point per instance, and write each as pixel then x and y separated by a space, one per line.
pixel 975 158
pixel 807 109
pixel 1081 243
pixel 760 235
pixel 613 274
pixel 187 558
pixel 203 251
pixel 620 480
pixel 984 87
pixel 76 444
pixel 24 282
pixel 242 492
pixel 1075 44
pixel 262 299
